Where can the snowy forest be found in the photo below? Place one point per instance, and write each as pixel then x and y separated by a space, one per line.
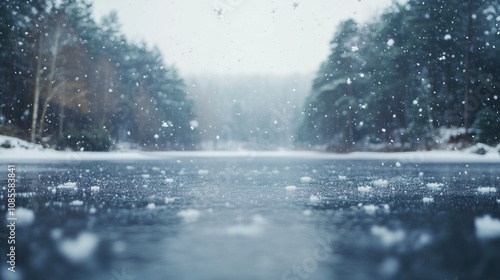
pixel 70 82
pixel 423 75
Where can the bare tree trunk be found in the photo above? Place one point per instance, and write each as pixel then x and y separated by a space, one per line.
pixel 36 95
pixel 61 117
pixel 50 89
pixel 467 67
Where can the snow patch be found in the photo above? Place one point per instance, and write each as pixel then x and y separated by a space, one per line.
pixel 25 217
pixel 68 185
pixel 314 198
pixel 79 249
pixel 290 188
pixel 364 189
pixel 487 227
pixel 486 189
pixel 342 177
pixel 380 183
pixel 255 228
pixel 370 209
pixel 388 237
pixel 169 180
pixel 76 203
pixel 305 179
pixel 189 215
pixel 202 172
pixel 428 199
pixel 169 200
pixel 434 186
pixel 150 206
pixel 95 189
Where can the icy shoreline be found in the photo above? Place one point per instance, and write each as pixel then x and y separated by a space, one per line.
pixel 22 151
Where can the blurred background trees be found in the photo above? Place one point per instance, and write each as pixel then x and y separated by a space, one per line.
pixel 399 81
pixel 65 77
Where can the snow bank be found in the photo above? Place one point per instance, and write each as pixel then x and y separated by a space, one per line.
pixel 80 249
pixel 487 227
pixel 22 151
pixel 189 215
pixel 8 143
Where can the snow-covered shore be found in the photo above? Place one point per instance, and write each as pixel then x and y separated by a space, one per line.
pixel 22 151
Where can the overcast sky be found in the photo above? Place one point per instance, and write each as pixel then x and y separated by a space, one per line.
pixel 251 36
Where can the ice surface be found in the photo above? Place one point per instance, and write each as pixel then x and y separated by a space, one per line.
pixel 380 183
pixel 25 217
pixel 306 179
pixel 79 249
pixel 428 199
pixel 486 189
pixel 487 227
pixel 189 215
pixel 255 228
pixel 364 189
pixel 290 188
pixel 387 236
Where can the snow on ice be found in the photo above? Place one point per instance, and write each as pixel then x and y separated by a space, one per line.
pixel 435 186
pixel 388 237
pixel 428 199
pixel 364 189
pixel 487 227
pixel 290 188
pixel 486 189
pixel 254 228
pixel 380 183
pixel 306 179
pixel 79 249
pixel 189 215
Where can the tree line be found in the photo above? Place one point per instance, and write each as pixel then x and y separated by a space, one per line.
pixel 68 81
pixel 403 79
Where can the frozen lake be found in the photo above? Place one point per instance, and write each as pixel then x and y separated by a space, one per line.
pixel 255 218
